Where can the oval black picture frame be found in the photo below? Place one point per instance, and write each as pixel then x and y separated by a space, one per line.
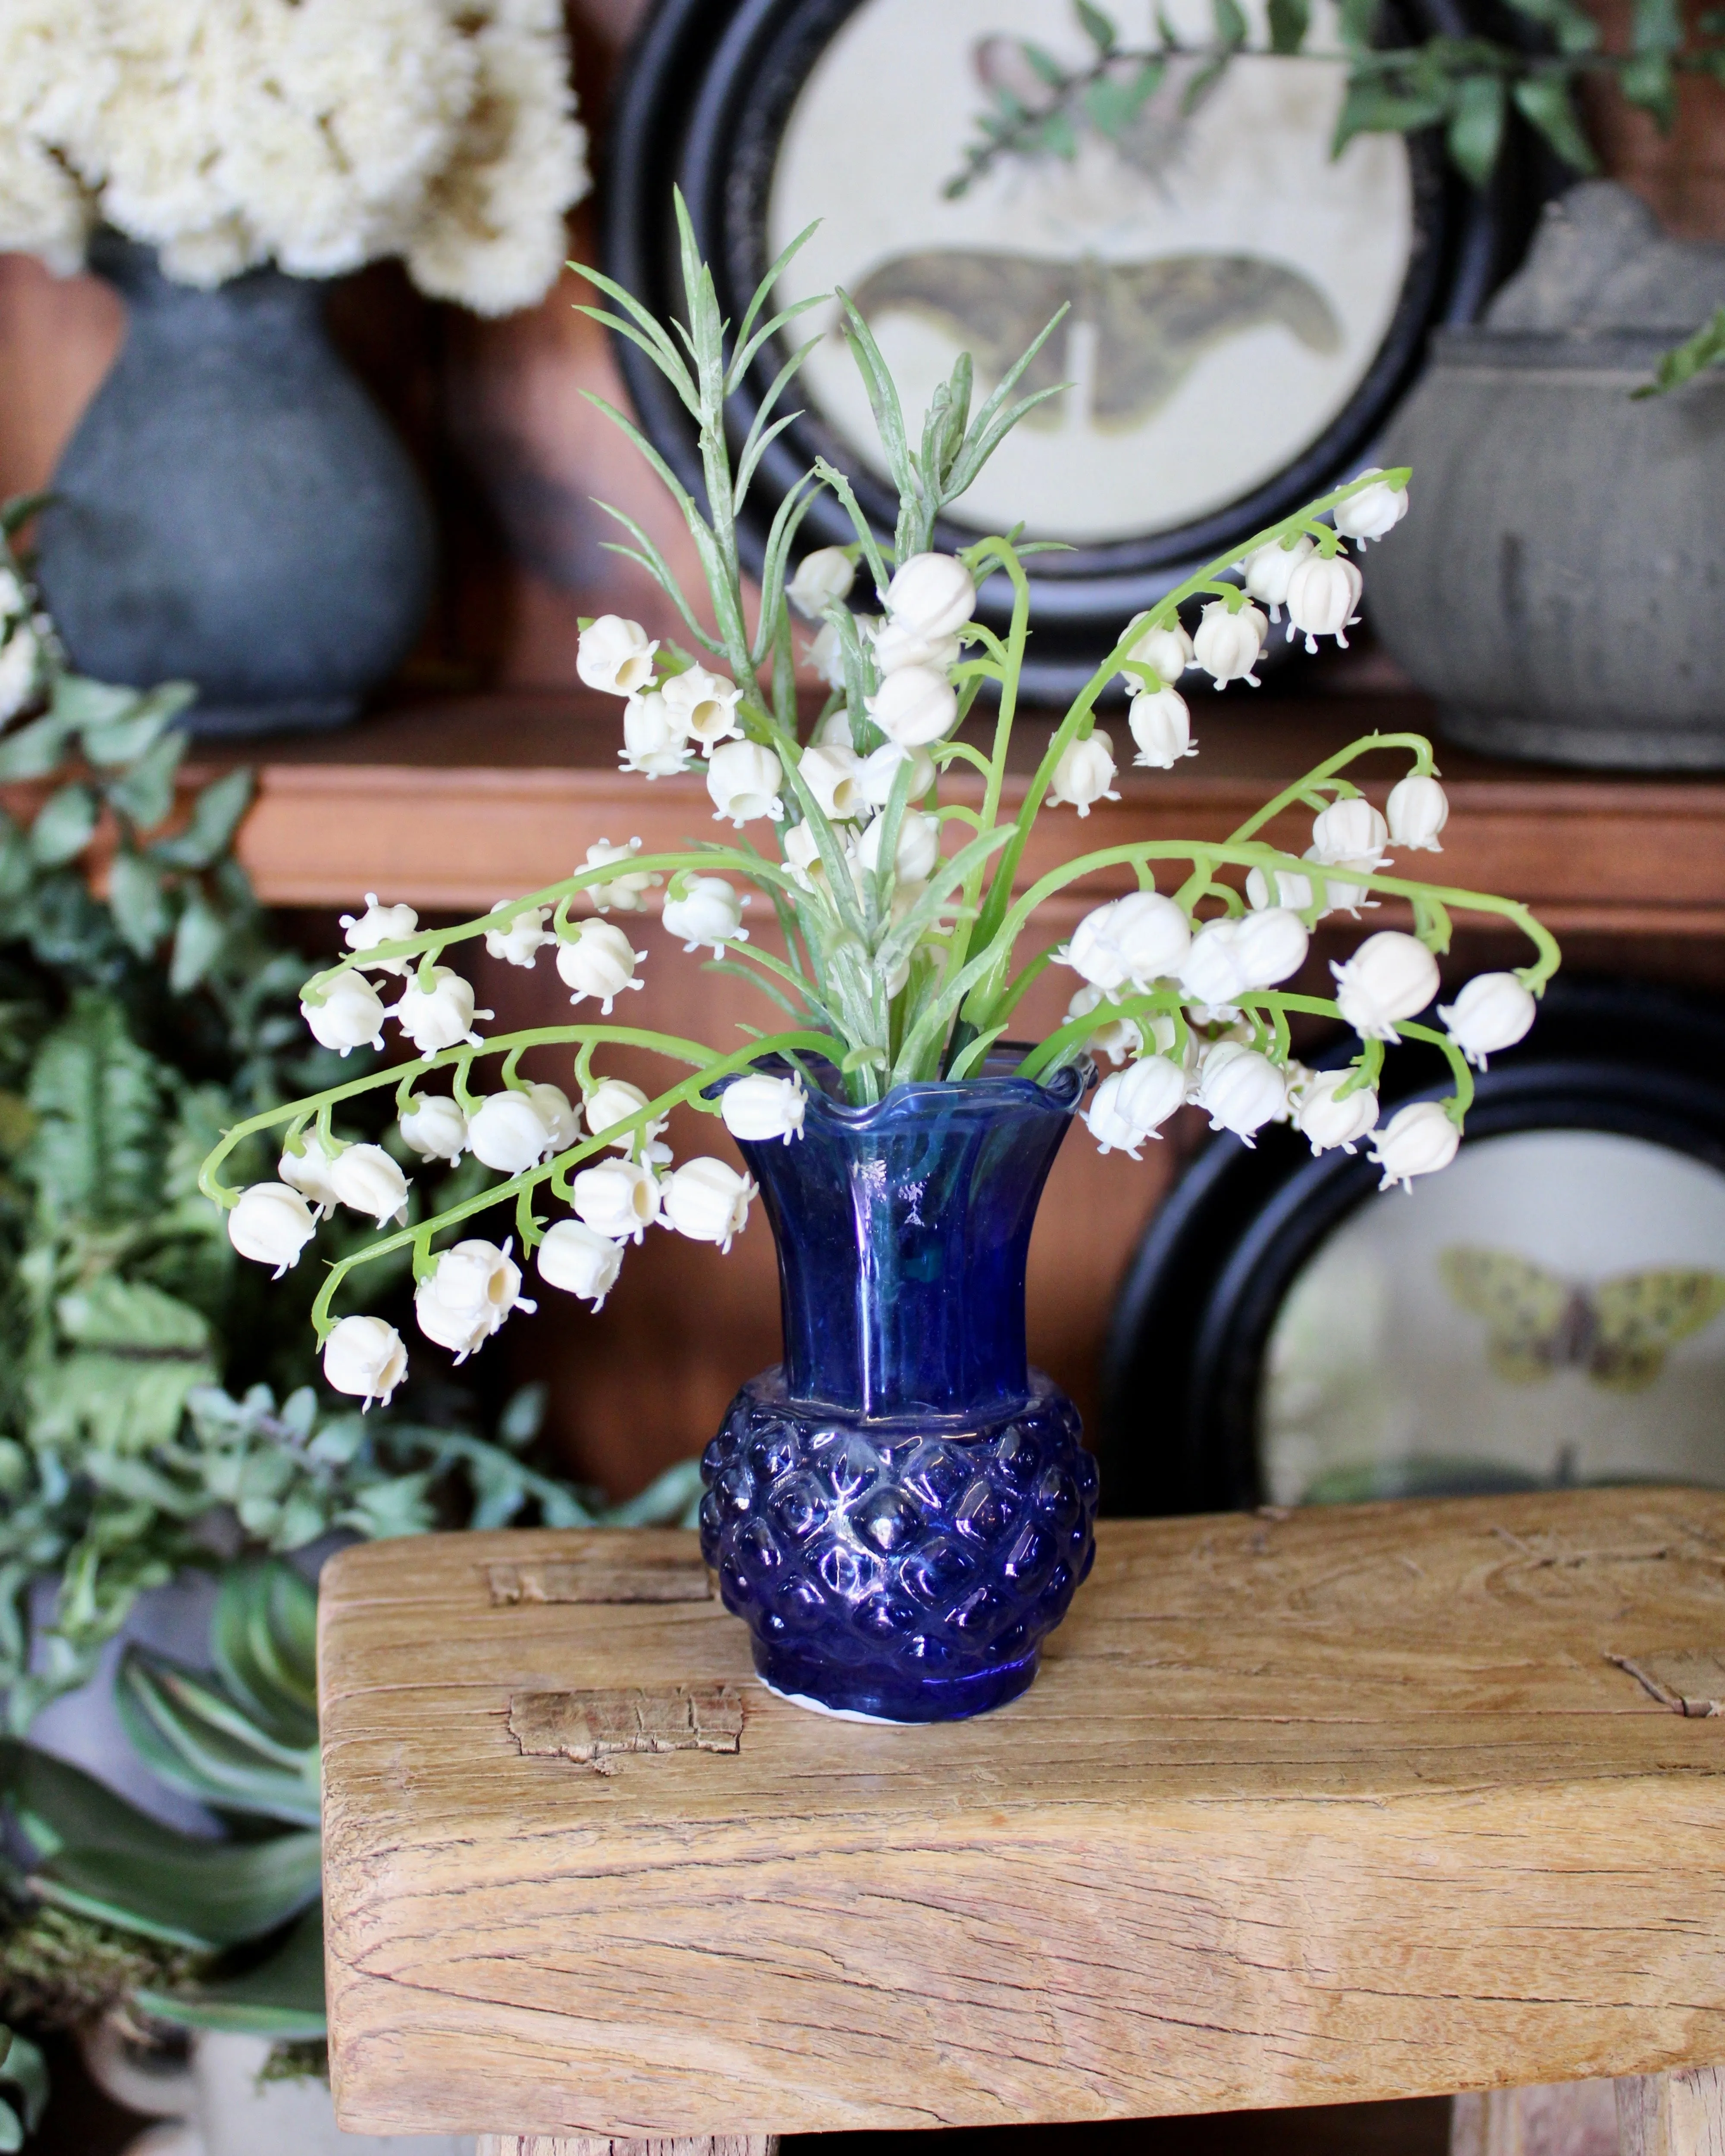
pixel 1186 1350
pixel 708 89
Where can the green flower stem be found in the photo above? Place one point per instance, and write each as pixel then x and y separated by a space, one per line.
pixel 1292 796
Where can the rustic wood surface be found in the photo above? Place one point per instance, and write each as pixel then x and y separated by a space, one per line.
pixel 1304 1808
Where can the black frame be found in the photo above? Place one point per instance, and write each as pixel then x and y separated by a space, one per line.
pixel 1195 1315
pixel 709 87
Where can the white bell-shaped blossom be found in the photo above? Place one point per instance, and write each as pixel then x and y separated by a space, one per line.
pixel 823 578
pixel 467 1294
pixel 573 1258
pixel 1322 596
pixel 1162 726
pixel 1349 833
pixel 708 1201
pixel 655 742
pixel 934 594
pixel 506 1132
pixel 619 1198
pixel 615 655
pixel 364 1357
pixel 1418 810
pixel 348 1014
pixel 1390 978
pixel 271 1224
pixel 310 1171
pixel 1084 774
pixel 880 768
pixel 1213 970
pixel 597 960
pixel 1228 644
pixel 558 1113
pixel 705 705
pixel 364 1180
pixel 1293 889
pixel 1140 938
pixel 1241 1089
pixel 380 924
pixel 1418 1140
pixel 1268 570
pixel 1326 1122
pixel 1494 1011
pixel 435 1010
pixel 1116 1038
pixel 914 706
pixel 761 1107
pixel 613 1101
pixel 743 780
pixel 434 1126
pixel 917 853
pixel 898 646
pixel 803 857
pixel 833 732
pixel 1373 511
pixel 833 776
pixel 626 893
pixel 519 942
pixel 1131 1104
pixel 1166 652
pixel 1270 945
pixel 1339 895
pixel 705 909
pixel 826 654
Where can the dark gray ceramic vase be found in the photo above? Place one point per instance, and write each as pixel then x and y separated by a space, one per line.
pixel 1560 588
pixel 233 509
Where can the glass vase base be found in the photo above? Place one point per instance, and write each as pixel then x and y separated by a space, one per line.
pixel 851 1694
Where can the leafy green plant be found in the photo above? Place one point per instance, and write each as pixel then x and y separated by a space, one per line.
pixel 1684 362
pixel 25 2078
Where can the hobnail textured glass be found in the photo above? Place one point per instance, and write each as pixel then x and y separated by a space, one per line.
pixel 902 1510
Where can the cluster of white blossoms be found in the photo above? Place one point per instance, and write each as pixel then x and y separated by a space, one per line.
pixel 317 134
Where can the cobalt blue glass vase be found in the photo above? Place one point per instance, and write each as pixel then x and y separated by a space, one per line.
pixel 903 1509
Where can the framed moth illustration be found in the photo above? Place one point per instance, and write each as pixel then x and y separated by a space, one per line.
pixel 1554 1313
pixel 1243 308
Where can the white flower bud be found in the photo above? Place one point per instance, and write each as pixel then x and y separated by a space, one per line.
pixel 654 740
pixel 271 1224
pixel 597 960
pixel 1116 1038
pixel 612 1101
pixel 365 1358
pixel 1084 774
pixel 381 924
pixel 1391 976
pixel 519 943
pixel 880 768
pixel 437 1015
pixel 615 655
pixel 1373 511
pixel 1418 809
pixel 1130 1106
pixel 914 706
pixel 1293 889
pixel 708 1202
pixel 1323 1121
pixel 1162 726
pixel 708 911
pixel 1349 833
pixel 1241 1089
pixel 917 853
pixel 832 777
pixel 801 853
pixel 625 892
pixel 761 1107
pixel 1166 652
pixel 364 1180
pixel 310 1171
pixel 1494 1011
pixel 573 1258
pixel 704 703
pixel 619 1198
pixel 558 1113
pixel 833 732
pixel 898 647
pixel 434 1126
pixel 507 1132
pixel 934 594
pixel 1213 971
pixel 1227 644
pixel 1270 945
pixel 1417 1140
pixel 1269 569
pixel 350 1015
pixel 1321 598
pixel 743 780
pixel 1140 938
pixel 826 655
pixel 823 578
pixel 467 1294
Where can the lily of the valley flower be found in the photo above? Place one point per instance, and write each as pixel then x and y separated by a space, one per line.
pixel 578 1262
pixel 364 1180
pixel 558 1113
pixel 1417 1140
pixel 520 941
pixel 933 594
pixel 1293 889
pixel 625 892
pixel 704 703
pixel 1270 569
pixel 914 706
pixel 310 1171
pixel 917 853
pixel 1116 1038
pixel 743 780
pixel 656 742
pixel 434 1126
pixel 380 924
pixel 348 1015
pixel 1142 938
pixel 1162 726
pixel 1228 644
pixel 1270 945
pixel 467 1294
pixel 761 1107
pixel 1418 810
pixel 619 1198
pixel 897 646
pixel 507 1132
pixel 615 655
pixel 597 960
pixel 615 1101
pixel 1166 652
pixel 1390 978
pixel 1373 511
pixel 1326 1122
pixel 1349 833
pixel 365 1359
pixel 1213 972
pixel 823 578
pixel 1321 598
pixel 1131 1104
pixel 707 1201
pixel 706 909
pixel 1084 774
pixel 435 1010
pixel 1241 1089
pixel 833 776
pixel 271 1224
pixel 1494 1011
pixel 880 768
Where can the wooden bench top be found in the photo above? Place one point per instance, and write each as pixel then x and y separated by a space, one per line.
pixel 1304 1807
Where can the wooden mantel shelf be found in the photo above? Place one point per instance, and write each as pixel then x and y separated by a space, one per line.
pixel 452 805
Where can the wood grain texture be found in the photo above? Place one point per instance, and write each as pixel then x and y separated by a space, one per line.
pixel 702 2144
pixel 1676 2114
pixel 1556 2118
pixel 1320 1807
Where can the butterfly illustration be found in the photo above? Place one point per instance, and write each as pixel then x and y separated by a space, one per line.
pixel 1153 320
pixel 1617 1330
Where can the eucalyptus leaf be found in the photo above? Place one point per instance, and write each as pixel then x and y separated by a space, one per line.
pixel 144 794
pixel 64 825
pixel 215 818
pixel 34 750
pixel 198 936
pixel 137 893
